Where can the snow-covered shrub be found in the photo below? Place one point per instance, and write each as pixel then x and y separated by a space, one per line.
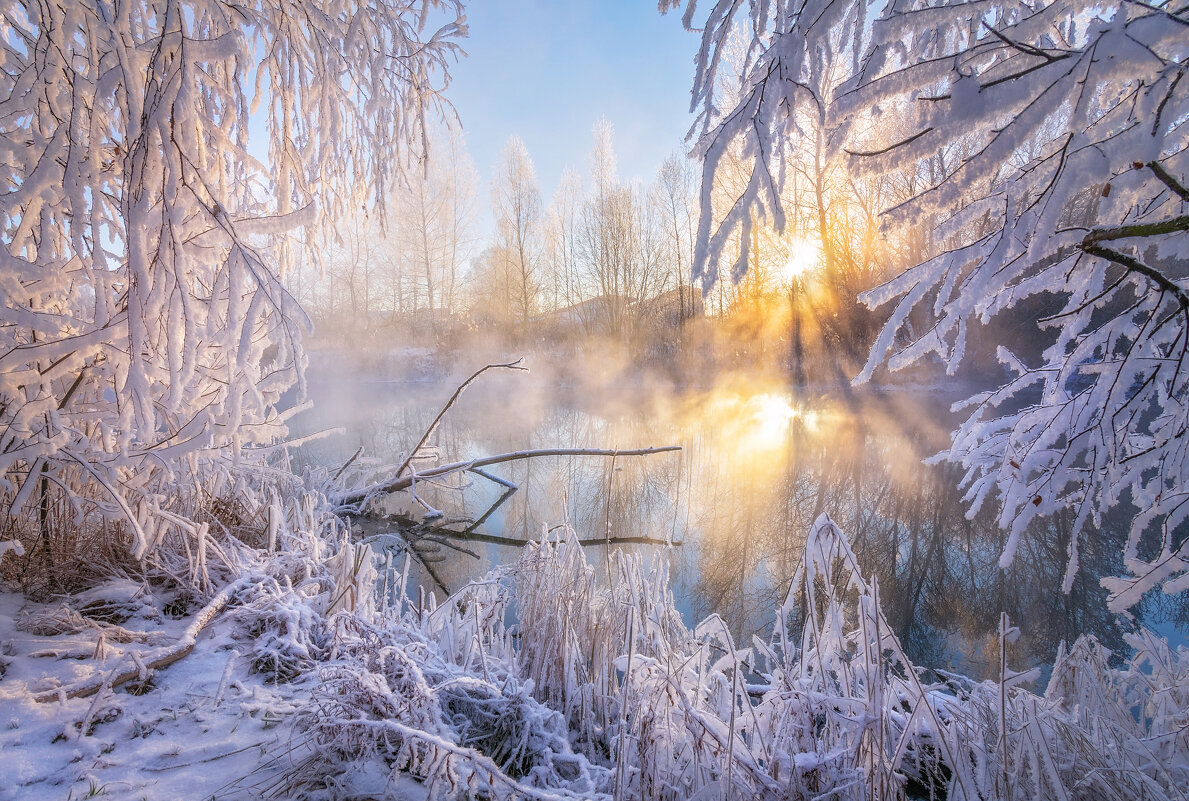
pixel 391 697
pixel 830 706
pixel 286 634
pixel 847 714
pixel 350 699
pixel 1129 727
pixel 640 690
pixel 50 545
pixel 572 628
pixel 469 627
pixel 510 727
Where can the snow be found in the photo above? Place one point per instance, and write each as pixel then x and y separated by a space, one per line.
pixel 1046 150
pixel 544 681
pixel 176 741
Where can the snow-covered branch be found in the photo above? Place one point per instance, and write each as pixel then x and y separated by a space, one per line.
pixel 1048 145
pixel 162 161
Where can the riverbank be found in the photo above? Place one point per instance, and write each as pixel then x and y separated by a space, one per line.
pixel 321 680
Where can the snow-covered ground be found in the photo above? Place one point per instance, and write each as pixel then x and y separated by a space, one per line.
pixel 291 692
pixel 545 681
pixel 202 727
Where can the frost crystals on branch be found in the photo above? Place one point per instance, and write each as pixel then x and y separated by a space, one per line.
pixel 1048 144
pixel 146 335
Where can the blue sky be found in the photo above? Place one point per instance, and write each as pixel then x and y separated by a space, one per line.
pixel 546 70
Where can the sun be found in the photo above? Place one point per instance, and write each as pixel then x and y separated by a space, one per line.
pixel 803 257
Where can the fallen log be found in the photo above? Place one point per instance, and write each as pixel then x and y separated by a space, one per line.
pixel 412 531
pixel 516 365
pixel 153 659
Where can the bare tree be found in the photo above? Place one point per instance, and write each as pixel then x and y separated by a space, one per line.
pixel 561 254
pixel 459 182
pixel 516 200
pixel 401 264
pixel 494 289
pixel 618 240
pixel 434 218
pixel 675 194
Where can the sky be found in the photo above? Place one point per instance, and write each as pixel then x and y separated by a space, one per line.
pixel 547 70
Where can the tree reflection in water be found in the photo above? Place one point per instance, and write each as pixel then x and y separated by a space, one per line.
pixel 756 470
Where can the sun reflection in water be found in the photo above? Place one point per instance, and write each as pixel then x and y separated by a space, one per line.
pixel 771 415
pixel 756 426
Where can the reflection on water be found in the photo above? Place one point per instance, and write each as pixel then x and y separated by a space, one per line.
pixel 757 467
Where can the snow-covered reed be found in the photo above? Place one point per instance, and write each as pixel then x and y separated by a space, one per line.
pixel 829 706
pixel 553 678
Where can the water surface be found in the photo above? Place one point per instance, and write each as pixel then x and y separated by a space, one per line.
pixel 759 463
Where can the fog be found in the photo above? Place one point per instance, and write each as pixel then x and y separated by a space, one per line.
pixel 760 460
pixel 750 377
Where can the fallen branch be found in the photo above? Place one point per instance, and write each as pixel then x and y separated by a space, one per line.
pixel 410 532
pixel 347 464
pixel 511 541
pixel 404 482
pixel 509 489
pixel 154 659
pixel 516 365
pixel 443 752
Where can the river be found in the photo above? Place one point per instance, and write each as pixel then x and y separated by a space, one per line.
pixel 758 463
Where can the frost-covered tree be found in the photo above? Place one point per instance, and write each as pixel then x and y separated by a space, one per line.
pixel 618 239
pixel 561 223
pixel 400 271
pixel 516 201
pixel 674 195
pixel 158 157
pixel 436 211
pixel 1048 143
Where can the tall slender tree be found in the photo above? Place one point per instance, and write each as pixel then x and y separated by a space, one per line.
pixel 516 200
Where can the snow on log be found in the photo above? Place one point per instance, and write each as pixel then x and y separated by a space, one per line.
pixel 155 659
pixel 405 482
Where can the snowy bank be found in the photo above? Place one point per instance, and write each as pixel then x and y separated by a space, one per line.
pixel 546 680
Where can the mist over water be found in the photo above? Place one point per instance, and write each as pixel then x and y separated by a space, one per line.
pixel 759 462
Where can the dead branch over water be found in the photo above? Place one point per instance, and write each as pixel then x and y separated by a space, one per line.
pixel 405 482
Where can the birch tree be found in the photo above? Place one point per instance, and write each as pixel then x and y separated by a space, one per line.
pixel 675 196
pixel 516 201
pixel 434 218
pixel 565 285
pixel 146 336
pixel 618 239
